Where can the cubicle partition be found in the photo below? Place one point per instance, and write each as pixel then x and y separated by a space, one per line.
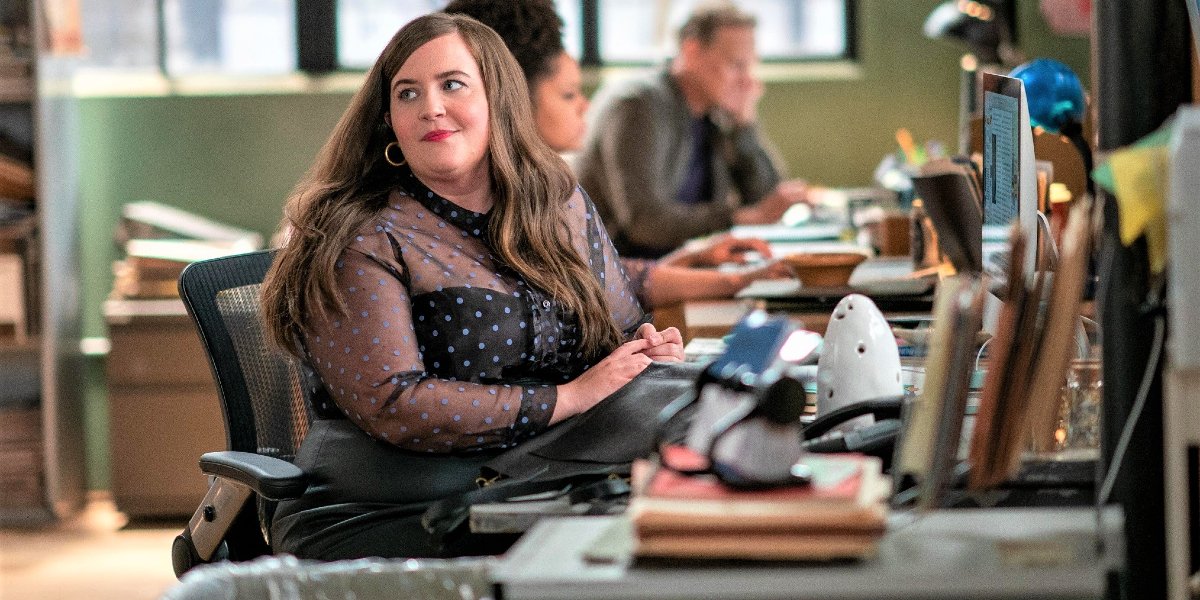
pixel 1142 73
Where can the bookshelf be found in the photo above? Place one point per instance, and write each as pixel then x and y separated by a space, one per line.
pixel 41 409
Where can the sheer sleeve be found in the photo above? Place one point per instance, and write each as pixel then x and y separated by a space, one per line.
pixel 592 241
pixel 374 367
pixel 638 272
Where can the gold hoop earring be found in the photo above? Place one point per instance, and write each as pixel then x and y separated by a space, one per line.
pixel 387 155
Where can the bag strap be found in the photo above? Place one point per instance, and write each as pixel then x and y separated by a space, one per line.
pixel 448 514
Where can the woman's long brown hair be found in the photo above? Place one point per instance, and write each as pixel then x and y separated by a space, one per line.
pixel 349 182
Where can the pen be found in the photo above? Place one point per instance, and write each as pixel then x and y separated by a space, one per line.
pixel 905 139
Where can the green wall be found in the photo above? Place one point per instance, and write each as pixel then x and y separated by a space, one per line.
pixel 229 158
pixel 836 132
pixel 234 158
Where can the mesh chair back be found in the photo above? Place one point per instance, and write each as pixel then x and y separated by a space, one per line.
pixel 272 377
pixel 264 391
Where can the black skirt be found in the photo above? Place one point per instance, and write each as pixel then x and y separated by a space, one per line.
pixel 365 498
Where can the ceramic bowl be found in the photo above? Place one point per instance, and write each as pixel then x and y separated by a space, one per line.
pixel 824 269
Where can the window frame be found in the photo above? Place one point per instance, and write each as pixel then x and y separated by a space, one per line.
pixel 317 47
pixel 317 67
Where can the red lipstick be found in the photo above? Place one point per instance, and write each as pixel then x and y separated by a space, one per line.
pixel 437 135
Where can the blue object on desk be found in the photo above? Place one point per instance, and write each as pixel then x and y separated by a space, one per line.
pixel 751 348
pixel 1056 104
pixel 1054 92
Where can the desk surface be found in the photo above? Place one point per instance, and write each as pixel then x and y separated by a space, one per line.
pixel 715 318
pixel 962 553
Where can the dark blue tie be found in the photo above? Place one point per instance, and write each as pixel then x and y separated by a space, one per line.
pixel 697 181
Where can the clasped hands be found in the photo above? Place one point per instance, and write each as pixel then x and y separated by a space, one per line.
pixel 618 369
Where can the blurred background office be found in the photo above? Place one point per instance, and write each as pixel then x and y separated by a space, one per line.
pixel 217 106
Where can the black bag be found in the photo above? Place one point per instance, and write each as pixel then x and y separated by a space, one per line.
pixel 588 456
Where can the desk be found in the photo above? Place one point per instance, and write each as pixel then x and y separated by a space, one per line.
pixel 715 318
pixel 702 318
pixel 164 411
pixel 962 553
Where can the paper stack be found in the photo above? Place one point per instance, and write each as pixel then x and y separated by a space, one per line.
pixel 840 514
pixel 159 241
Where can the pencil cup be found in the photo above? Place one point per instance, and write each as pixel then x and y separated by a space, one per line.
pixel 1079 416
pixel 894 234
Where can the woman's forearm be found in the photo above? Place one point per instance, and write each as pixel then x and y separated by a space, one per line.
pixel 669 284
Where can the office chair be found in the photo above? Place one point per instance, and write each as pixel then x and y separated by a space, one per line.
pixel 264 396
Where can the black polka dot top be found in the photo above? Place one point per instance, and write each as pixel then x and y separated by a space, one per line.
pixel 442 348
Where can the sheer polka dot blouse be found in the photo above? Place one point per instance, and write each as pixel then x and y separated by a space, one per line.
pixel 442 348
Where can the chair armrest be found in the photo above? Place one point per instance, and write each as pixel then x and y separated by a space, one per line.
pixel 269 477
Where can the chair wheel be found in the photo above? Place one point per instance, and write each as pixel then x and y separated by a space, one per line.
pixel 183 554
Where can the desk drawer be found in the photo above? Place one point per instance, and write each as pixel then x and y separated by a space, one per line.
pixel 21 459
pixel 157 434
pixel 157 353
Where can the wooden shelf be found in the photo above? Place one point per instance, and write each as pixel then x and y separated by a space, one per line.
pixel 42 470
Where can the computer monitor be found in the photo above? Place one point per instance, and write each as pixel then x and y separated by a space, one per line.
pixel 1009 174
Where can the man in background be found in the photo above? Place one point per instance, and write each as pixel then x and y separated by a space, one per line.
pixel 678 154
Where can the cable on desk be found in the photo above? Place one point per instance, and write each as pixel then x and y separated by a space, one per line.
pixel 1140 403
pixel 1110 477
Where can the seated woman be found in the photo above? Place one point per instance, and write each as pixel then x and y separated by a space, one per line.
pixel 533 31
pixel 451 286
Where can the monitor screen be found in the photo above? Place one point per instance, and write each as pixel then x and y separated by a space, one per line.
pixel 1009 174
pixel 1001 158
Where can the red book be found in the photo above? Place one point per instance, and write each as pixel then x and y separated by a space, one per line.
pixel 846 494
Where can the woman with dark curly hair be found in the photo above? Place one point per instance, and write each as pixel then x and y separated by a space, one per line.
pixel 532 30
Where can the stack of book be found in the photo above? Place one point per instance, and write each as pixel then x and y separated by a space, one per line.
pixel 842 513
pixel 151 268
pixel 159 241
pixel 140 275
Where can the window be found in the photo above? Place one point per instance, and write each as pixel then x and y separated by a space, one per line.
pixel 626 31
pixel 365 26
pixel 119 34
pixel 230 36
pixel 200 36
pixel 185 37
pixel 636 31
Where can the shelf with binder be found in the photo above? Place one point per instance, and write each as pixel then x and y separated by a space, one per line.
pixel 42 466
